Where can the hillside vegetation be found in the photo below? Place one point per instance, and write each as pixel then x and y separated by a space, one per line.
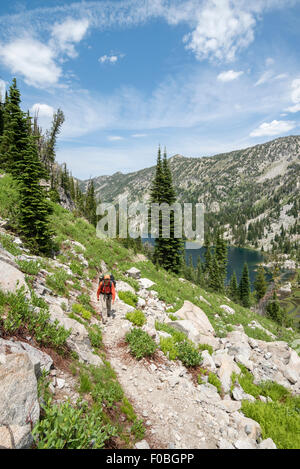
pixel 96 402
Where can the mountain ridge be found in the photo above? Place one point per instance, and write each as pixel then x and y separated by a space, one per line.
pixel 244 191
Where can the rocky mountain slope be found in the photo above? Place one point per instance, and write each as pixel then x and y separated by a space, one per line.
pixel 251 192
pixel 58 359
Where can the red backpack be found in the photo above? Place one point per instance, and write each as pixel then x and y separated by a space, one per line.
pixel 106 287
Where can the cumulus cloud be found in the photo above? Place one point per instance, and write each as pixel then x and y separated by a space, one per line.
pixel 229 75
pixel 32 59
pixel 295 96
pixel 273 128
pixel 37 61
pixel 42 110
pixel 222 29
pixel 68 33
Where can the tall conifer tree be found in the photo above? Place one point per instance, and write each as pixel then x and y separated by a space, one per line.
pixel 244 287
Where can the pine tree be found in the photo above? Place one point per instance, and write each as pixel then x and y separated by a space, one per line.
pixel 90 204
pixel 244 287
pixel 19 157
pixel 168 250
pixel 13 141
pixel 1 116
pixel 233 288
pixel 215 281
pixel 221 256
pixel 260 283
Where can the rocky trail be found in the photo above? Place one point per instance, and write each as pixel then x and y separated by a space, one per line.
pixel 177 412
pixel 162 393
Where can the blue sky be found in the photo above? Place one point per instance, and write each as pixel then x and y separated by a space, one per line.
pixel 199 76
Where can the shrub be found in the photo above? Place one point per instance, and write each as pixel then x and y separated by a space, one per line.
pixel 188 354
pixel 138 430
pixel 168 347
pixel 95 336
pixel 207 347
pixel 128 297
pixel 67 427
pixel 140 343
pixel 76 268
pixel 136 317
pixel 20 313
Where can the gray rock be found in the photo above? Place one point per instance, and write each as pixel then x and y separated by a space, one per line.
pixel 267 444
pixel 18 391
pixel 229 406
pixel 227 367
pixel 237 393
pixel 134 273
pixel 207 360
pixel 224 444
pixel 11 278
pixel 142 445
pixel 16 437
pixel 39 359
pixel 228 309
pixel 244 444
pixel 193 313
pixel 146 283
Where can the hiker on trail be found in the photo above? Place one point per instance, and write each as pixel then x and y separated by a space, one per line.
pixel 107 293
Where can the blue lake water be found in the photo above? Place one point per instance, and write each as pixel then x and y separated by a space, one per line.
pixel 236 260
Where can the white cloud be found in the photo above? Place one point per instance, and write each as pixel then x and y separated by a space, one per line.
pixel 108 58
pixel 295 96
pixel 65 34
pixel 32 59
pixel 222 29
pixel 139 135
pixel 265 77
pixel 273 128
pixel 37 61
pixel 2 90
pixel 114 138
pixel 42 110
pixel 229 75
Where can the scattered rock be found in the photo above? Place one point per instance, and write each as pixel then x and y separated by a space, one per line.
pixel 267 444
pixel 142 445
pixel 134 273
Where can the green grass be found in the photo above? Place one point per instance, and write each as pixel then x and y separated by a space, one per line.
pixel 278 420
pixel 79 309
pixel 29 267
pixel 214 380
